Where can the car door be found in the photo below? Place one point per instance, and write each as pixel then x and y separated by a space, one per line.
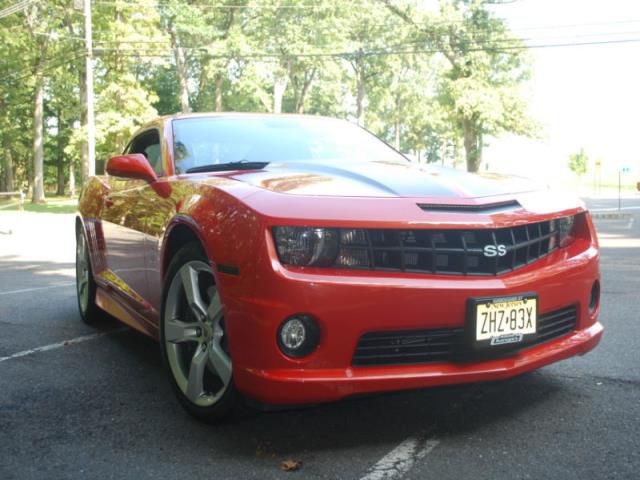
pixel 127 207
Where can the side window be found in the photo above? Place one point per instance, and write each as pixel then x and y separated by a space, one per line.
pixel 148 143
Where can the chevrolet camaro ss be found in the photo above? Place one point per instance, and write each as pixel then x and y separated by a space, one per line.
pixel 299 259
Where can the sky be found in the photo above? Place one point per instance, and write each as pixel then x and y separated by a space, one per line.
pixel 584 96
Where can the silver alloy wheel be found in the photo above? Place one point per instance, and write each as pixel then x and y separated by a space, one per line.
pixel 82 272
pixel 194 334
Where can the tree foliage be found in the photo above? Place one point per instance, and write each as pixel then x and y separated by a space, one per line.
pixel 578 162
pixel 435 82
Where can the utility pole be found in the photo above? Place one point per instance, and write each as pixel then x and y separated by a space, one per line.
pixel 91 128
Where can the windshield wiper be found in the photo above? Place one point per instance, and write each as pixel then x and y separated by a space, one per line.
pixel 221 167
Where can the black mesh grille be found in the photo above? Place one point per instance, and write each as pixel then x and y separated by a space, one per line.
pixel 444 345
pixel 457 252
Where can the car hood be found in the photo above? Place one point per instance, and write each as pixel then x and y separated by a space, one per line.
pixel 381 179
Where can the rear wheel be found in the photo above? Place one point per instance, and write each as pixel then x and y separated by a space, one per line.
pixel 85 284
pixel 193 337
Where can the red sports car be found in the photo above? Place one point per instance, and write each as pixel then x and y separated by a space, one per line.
pixel 299 259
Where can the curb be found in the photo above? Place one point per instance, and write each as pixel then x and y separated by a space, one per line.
pixel 611 216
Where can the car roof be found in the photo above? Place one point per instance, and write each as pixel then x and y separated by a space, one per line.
pixel 161 120
pixel 177 116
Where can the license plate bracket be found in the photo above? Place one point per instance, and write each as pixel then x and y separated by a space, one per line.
pixel 501 323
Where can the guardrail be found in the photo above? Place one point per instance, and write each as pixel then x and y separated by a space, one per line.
pixel 19 194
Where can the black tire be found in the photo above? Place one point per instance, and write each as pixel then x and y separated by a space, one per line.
pixel 176 353
pixel 90 313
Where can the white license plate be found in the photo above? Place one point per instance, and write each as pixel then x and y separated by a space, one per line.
pixel 506 320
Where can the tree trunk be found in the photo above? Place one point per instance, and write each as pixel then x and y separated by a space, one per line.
pixel 29 172
pixel 360 96
pixel 201 104
pixel 279 87
pixel 38 151
pixel 60 159
pixel 8 156
pixel 472 144
pixel 305 90
pixel 72 179
pixel 280 82
pixel 61 182
pixel 398 115
pixel 396 127
pixel 218 91
pixel 181 69
pixel 84 153
pixel 8 165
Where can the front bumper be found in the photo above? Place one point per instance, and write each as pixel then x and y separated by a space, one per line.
pixel 296 386
pixel 348 304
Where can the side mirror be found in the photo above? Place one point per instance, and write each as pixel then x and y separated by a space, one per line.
pixel 132 165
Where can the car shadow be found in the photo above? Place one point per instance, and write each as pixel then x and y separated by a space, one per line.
pixel 138 401
pixel 361 422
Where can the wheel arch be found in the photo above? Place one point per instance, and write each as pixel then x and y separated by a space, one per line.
pixel 181 230
pixel 82 228
pixel 79 224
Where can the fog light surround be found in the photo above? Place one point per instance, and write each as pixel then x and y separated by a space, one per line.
pixel 594 299
pixel 298 336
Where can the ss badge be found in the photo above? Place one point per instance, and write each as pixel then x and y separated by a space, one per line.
pixel 494 250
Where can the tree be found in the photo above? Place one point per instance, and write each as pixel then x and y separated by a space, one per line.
pixel 123 100
pixel 434 82
pixel 487 65
pixel 369 37
pixel 294 36
pixel 578 162
pixel 36 20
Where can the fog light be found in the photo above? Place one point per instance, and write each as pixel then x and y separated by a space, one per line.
pixel 298 336
pixel 594 301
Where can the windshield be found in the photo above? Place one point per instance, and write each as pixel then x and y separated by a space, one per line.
pixel 217 140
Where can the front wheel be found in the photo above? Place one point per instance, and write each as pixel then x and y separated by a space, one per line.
pixel 85 284
pixel 194 343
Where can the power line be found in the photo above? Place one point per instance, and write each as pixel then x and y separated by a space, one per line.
pixel 573 25
pixel 17 7
pixel 546 38
pixel 55 36
pixel 57 61
pixel 443 34
pixel 63 57
pixel 222 6
pixel 344 54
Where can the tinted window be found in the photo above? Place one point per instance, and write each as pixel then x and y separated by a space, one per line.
pixel 215 140
pixel 148 144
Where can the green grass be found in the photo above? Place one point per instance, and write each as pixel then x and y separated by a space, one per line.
pixel 52 205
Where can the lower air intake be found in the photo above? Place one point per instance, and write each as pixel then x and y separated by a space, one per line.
pixel 406 347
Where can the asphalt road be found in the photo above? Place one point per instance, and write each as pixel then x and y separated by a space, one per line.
pixel 101 407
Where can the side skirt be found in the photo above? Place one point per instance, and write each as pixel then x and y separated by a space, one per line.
pixel 109 302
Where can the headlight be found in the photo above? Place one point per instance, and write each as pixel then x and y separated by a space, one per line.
pixel 306 245
pixel 564 228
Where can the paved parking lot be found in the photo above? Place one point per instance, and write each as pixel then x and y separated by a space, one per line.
pixel 76 402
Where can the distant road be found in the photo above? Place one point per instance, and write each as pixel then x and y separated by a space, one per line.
pixel 611 203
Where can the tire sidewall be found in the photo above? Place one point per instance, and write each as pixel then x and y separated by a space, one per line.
pixel 226 404
pixel 91 313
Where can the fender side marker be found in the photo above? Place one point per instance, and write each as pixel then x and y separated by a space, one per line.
pixel 228 269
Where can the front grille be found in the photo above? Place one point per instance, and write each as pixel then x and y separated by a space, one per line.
pixel 409 346
pixel 555 324
pixel 457 252
pixel 445 344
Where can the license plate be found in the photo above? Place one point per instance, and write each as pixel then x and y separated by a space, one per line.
pixel 503 321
